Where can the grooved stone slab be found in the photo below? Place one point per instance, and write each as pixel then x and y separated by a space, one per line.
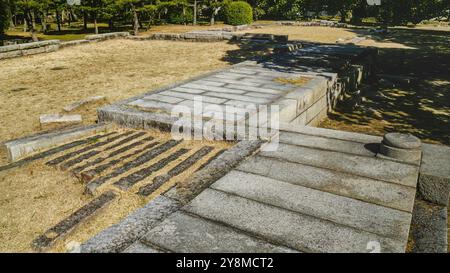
pixel 181 232
pixel 375 168
pixel 66 225
pixel 301 232
pixel 365 189
pixel 342 210
pixel 327 144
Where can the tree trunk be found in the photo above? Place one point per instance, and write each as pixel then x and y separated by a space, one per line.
pixel 213 15
pixel 29 22
pixel 195 12
pixel 33 19
pixel 44 22
pixel 58 19
pixel 343 16
pixel 85 20
pixel 135 20
pixel 184 16
pixel 111 24
pixel 95 24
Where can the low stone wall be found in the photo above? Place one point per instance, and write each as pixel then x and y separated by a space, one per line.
pixel 12 51
pixel 107 36
pixel 322 23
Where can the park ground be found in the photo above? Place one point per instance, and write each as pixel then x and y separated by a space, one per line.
pixel 119 69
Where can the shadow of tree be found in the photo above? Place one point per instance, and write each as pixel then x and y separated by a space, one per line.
pixel 421 107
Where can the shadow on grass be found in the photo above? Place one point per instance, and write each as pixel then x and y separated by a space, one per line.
pixel 421 107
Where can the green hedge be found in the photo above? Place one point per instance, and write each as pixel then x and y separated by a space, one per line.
pixel 238 13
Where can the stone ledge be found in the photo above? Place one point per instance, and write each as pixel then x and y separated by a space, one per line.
pixel 19 148
pixel 106 36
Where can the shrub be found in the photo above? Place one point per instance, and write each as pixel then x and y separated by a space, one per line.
pixel 4 16
pixel 238 13
pixel 176 16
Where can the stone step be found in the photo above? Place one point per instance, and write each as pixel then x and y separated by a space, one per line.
pixel 375 168
pixel 183 233
pixel 364 189
pixel 300 232
pixel 342 210
pixel 328 144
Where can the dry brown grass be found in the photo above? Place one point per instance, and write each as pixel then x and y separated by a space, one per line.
pixel 118 69
pixel 35 197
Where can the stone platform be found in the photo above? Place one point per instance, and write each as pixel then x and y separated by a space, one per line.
pixel 303 92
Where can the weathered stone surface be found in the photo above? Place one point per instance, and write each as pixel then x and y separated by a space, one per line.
pixel 128 181
pixel 75 105
pixel 329 133
pixel 365 189
pixel 66 225
pixel 429 228
pixel 90 174
pixel 58 118
pixel 326 143
pixel 189 188
pixel 65 157
pixel 183 233
pixel 22 147
pixel 375 168
pixel 162 98
pixel 301 232
pixel 118 237
pixel 99 160
pixel 178 169
pixel 238 97
pixel 338 209
pixel 400 154
pixel 52 151
pixel 434 179
pixel 192 96
pixel 106 36
pixel 92 186
pixel 139 247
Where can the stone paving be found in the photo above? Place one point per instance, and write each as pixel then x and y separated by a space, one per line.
pixel 301 198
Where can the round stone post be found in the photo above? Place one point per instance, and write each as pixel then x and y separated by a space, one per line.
pixel 403 147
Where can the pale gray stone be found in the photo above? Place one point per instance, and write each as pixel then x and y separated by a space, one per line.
pixel 301 232
pixel 162 98
pixel 375 168
pixel 238 97
pixel 365 189
pixel 326 143
pixel 342 210
pixel 183 233
pixel 226 90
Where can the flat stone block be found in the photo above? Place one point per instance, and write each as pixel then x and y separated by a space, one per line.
pixel 386 170
pixel 238 97
pixel 183 233
pixel 326 143
pixel 58 118
pixel 188 90
pixel 365 189
pixel 301 232
pixel 22 147
pixel 213 88
pixel 162 98
pixel 342 210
